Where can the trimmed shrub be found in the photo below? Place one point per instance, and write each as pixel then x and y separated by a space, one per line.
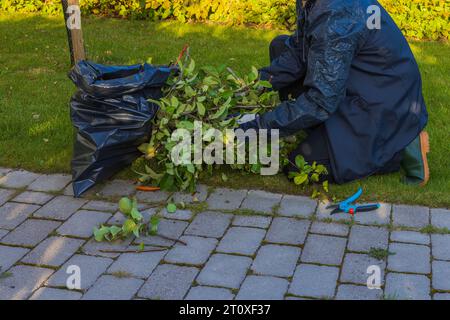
pixel 418 19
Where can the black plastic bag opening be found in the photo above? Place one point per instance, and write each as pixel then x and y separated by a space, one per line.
pixel 112 117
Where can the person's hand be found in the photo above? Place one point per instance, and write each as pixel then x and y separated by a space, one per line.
pixel 248 121
pixel 174 69
pixel 246 118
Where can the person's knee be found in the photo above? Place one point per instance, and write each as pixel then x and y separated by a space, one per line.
pixel 278 41
pixel 277 46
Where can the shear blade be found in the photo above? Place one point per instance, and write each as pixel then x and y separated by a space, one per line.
pixel 336 211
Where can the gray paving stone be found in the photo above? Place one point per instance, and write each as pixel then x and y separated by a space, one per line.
pixel 97 205
pixel 68 191
pixel 5 195
pixel 168 282
pixel 7 293
pixel 410 237
pixel 139 265
pixel 9 256
pixel 196 252
pixel 440 218
pixel 241 240
pixel 288 231
pixel 261 201
pixel 152 197
pixel 410 216
pixel 381 216
pixel 441 275
pixel 33 197
pixel 118 188
pixel 209 293
pixel 409 258
pixel 12 214
pixel 180 214
pixel 334 229
pixel 441 296
pixel 296 298
pixel 352 292
pixel 91 269
pixel 323 249
pixel 50 182
pixel 224 271
pixel 226 199
pixel 198 196
pixel 314 281
pixel 112 288
pixel 4 171
pixel 209 224
pixel 362 238
pixel 55 294
pixel 407 286
pixel 117 219
pixel 252 221
pixel 3 233
pixel 146 211
pixel 18 179
pixel 276 260
pixel 95 248
pixel 354 269
pixel 262 288
pixel 440 244
pixel 22 282
pixel 169 228
pixel 30 233
pixel 82 223
pixel 53 251
pixel 325 214
pixel 297 206
pixel 60 208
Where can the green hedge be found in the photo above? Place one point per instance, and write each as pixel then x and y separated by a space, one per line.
pixel 419 19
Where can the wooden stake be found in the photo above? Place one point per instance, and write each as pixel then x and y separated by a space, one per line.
pixel 72 18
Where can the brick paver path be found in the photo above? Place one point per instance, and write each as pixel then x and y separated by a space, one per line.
pixel 240 244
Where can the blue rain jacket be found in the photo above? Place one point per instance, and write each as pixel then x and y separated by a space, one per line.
pixel 361 82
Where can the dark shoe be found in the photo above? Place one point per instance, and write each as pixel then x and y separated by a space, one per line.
pixel 415 162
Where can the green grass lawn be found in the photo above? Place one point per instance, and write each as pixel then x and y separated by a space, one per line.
pixel 35 129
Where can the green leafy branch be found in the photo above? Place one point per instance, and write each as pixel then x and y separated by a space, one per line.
pixel 134 224
pixel 310 175
pixel 216 97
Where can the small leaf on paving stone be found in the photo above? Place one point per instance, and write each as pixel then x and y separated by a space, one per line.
pixel 125 205
pixel 136 215
pixel 171 208
pixel 128 226
pixel 99 234
pixel 115 230
pixel 154 222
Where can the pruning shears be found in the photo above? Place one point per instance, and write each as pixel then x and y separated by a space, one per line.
pixel 348 206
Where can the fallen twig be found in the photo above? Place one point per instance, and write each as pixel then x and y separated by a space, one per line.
pixel 133 251
pixel 250 107
pixel 242 82
pixel 171 239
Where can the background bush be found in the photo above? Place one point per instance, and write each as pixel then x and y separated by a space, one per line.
pixel 418 19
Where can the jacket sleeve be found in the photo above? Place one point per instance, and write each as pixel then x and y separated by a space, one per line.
pixel 334 39
pixel 287 68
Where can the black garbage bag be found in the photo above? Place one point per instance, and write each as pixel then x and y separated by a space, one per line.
pixel 112 117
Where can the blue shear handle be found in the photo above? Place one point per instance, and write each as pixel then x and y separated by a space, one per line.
pixel 353 198
pixel 368 207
